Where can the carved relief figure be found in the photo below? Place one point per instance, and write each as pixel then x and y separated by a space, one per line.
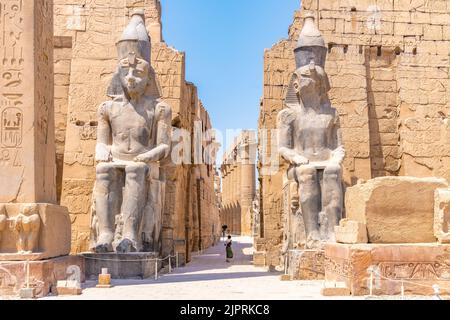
pixel 27 225
pixel 134 135
pixel 310 139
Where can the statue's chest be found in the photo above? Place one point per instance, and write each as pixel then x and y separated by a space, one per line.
pixel 310 122
pixel 126 118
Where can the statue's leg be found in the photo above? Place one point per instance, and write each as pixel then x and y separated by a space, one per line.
pixel 133 205
pixel 332 195
pixel 309 192
pixel 104 188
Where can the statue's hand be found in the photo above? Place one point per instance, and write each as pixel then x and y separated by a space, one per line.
pixel 300 160
pixel 102 153
pixel 147 157
pixel 339 155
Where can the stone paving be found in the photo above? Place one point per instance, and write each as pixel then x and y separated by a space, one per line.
pixel 209 277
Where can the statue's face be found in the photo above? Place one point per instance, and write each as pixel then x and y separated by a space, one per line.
pixel 134 75
pixel 311 83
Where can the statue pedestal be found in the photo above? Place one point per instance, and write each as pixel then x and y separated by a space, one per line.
pixel 43 275
pixel 122 266
pixel 306 264
pixel 53 239
pixel 418 266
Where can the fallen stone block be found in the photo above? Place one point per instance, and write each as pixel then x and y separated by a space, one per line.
pixel 351 232
pixel 395 209
pixel 442 215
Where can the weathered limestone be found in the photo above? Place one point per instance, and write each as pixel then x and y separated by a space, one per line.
pixel 134 136
pixel 85 62
pixel 390 85
pixel 43 275
pixel 351 232
pixel 239 184
pixel 310 139
pixel 442 215
pixel 395 209
pixel 71 286
pixel 306 265
pixel 419 266
pixel 44 235
pixel 32 226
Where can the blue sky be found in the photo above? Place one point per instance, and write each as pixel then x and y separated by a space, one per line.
pixel 224 41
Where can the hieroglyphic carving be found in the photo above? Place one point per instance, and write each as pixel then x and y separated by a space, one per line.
pixel 44 63
pixel 432 270
pixel 341 267
pixel 11 127
pixel 11 82
pixel 8 282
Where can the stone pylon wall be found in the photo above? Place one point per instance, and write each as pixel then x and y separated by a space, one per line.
pixel 239 184
pixel 85 60
pixel 389 65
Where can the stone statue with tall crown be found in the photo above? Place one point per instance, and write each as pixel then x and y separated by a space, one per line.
pixel 134 138
pixel 310 139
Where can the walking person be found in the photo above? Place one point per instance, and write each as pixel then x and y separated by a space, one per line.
pixel 229 250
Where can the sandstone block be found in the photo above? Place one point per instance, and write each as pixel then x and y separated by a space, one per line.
pixel 259 259
pixel 335 289
pixel 419 266
pixel 351 232
pixel 442 215
pixel 53 234
pixel 43 275
pixel 395 209
pixel 306 264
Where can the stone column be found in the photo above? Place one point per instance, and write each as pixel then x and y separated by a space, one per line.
pixel 247 196
pixel 38 229
pixel 237 199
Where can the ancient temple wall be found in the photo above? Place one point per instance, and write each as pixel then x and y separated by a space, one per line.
pixel 389 65
pixel 84 71
pixel 62 60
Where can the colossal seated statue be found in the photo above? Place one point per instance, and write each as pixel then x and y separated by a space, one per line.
pixel 310 139
pixel 134 136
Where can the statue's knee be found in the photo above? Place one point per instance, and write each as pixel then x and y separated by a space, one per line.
pixel 306 174
pixel 332 172
pixel 104 169
pixel 137 171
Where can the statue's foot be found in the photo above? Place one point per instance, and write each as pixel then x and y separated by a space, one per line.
pixel 103 248
pixel 104 243
pixel 126 246
pixel 314 241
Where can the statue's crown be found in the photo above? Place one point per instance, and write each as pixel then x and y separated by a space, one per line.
pixel 311 45
pixel 135 38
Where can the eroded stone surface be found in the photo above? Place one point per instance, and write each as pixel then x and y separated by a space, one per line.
pixel 390 87
pixel 310 139
pixel 134 136
pixel 351 232
pixel 51 239
pixel 419 266
pixel 442 215
pixel 395 209
pixel 85 58
pixel 44 275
